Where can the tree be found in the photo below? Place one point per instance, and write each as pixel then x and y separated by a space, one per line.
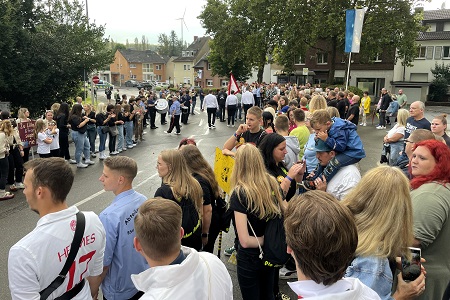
pixel 46 50
pixel 169 45
pixel 389 26
pixel 243 32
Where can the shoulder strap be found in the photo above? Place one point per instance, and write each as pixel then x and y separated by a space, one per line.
pixel 79 231
pixel 261 252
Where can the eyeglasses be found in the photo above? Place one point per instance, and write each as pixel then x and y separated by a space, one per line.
pixel 407 141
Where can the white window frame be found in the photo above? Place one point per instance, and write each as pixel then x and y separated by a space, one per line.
pixel 224 83
pixel 377 58
pixel 446 52
pixel 158 67
pixel 322 58
pixel 133 76
pixel 132 66
pixel 147 68
pixel 422 52
pixel 209 82
pixel 300 60
pixel 209 66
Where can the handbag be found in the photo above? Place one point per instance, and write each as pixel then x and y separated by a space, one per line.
pixel 105 129
pixel 113 130
pixel 74 247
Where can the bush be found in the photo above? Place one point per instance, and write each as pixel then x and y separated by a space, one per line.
pixel 438 90
pixel 354 89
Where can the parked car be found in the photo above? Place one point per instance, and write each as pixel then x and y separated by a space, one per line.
pixel 162 84
pixel 144 85
pixel 131 83
pixel 104 85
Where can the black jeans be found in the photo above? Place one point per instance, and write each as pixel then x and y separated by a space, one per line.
pixel 112 143
pixel 174 122
pixel 211 115
pixel 255 280
pixel 231 111
pixel 63 145
pixel 246 107
pixel 152 115
pixel 4 169
pixel 15 166
pixel 163 118
pixel 185 114
pixel 382 118
pixel 222 113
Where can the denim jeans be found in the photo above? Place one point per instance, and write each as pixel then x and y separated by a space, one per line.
pixel 194 102
pixel 129 133
pixel 255 280
pixel 81 146
pixel 120 139
pixel 92 135
pixel 334 165
pixel 102 136
pixel 238 113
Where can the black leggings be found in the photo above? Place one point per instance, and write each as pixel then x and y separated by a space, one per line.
pixel 231 111
pixel 63 145
pixel 15 166
pixel 112 143
pixel 211 115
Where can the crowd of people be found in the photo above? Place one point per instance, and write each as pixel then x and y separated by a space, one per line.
pixel 296 161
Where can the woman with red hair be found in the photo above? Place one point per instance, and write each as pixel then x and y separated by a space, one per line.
pixel 430 170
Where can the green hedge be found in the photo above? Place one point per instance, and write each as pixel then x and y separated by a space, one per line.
pixel 354 89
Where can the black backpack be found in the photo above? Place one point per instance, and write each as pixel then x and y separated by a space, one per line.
pixel 191 221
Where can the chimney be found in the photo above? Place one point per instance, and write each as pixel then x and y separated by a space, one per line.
pixel 195 38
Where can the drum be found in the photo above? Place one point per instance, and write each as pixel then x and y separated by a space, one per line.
pixel 185 110
pixel 162 106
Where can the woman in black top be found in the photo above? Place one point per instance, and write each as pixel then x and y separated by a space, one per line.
pixel 255 198
pixel 91 128
pixel 180 186
pixel 78 123
pixel 112 119
pixel 202 171
pixel 102 123
pixel 62 122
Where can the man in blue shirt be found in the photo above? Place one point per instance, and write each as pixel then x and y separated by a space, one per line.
pixel 175 111
pixel 120 259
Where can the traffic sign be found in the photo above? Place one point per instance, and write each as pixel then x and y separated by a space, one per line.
pixel 95 79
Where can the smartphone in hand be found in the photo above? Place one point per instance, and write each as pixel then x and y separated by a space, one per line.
pixel 411 269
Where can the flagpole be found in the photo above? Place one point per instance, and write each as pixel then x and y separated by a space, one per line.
pixel 348 70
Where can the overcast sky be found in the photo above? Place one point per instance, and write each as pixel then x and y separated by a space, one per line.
pixel 134 18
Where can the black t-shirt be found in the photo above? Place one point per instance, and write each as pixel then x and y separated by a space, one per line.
pixel 61 122
pixel 251 138
pixel 100 118
pixel 208 194
pixel 412 124
pixel 74 122
pixel 279 175
pixel 354 110
pixel 341 108
pixel 241 205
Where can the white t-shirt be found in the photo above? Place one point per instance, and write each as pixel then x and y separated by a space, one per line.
pixel 55 139
pixel 396 129
pixel 345 179
pixel 201 275
pixel 43 148
pixel 36 260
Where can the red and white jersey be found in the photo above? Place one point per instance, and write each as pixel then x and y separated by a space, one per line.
pixel 36 260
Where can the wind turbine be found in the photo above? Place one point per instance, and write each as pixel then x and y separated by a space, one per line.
pixel 182 22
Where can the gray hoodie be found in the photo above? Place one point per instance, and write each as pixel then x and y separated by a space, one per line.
pixel 293 149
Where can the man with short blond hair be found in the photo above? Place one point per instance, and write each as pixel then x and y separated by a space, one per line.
pixel 176 272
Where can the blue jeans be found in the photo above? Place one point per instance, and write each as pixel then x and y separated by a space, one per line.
pixel 120 137
pixel 333 166
pixel 193 106
pixel 238 113
pixel 91 135
pixel 81 146
pixel 102 136
pixel 129 133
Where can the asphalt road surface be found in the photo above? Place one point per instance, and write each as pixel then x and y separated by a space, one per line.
pixel 16 220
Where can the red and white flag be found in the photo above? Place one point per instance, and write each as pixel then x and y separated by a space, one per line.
pixel 232 85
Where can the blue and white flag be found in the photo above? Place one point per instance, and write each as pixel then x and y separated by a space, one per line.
pixel 353 28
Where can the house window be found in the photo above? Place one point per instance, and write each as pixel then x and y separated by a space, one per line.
pixel 132 66
pixel 187 67
pixel 446 52
pixel 300 60
pixel 209 82
pixel 122 76
pixel 183 53
pixel 147 68
pixel 422 52
pixel 158 77
pixel 158 67
pixel 430 51
pixel 209 66
pixel 322 58
pixel 224 83
pixel 192 53
pixel 133 76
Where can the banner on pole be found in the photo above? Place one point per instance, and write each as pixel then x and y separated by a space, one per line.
pixel 354 19
pixel 232 85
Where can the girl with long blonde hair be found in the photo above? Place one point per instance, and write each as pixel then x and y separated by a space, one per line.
pixel 180 186
pixel 382 207
pixel 255 199
pixel 43 141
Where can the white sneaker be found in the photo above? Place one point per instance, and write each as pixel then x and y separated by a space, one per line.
pixel 81 165
pixel 72 161
pixel 130 146
pixel 19 185
pixel 360 124
pixel 287 274
pixel 114 153
pixel 124 149
pixel 364 124
pixel 89 162
pixel 380 127
pixel 120 150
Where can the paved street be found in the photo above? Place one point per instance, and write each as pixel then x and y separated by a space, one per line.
pixel 16 220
